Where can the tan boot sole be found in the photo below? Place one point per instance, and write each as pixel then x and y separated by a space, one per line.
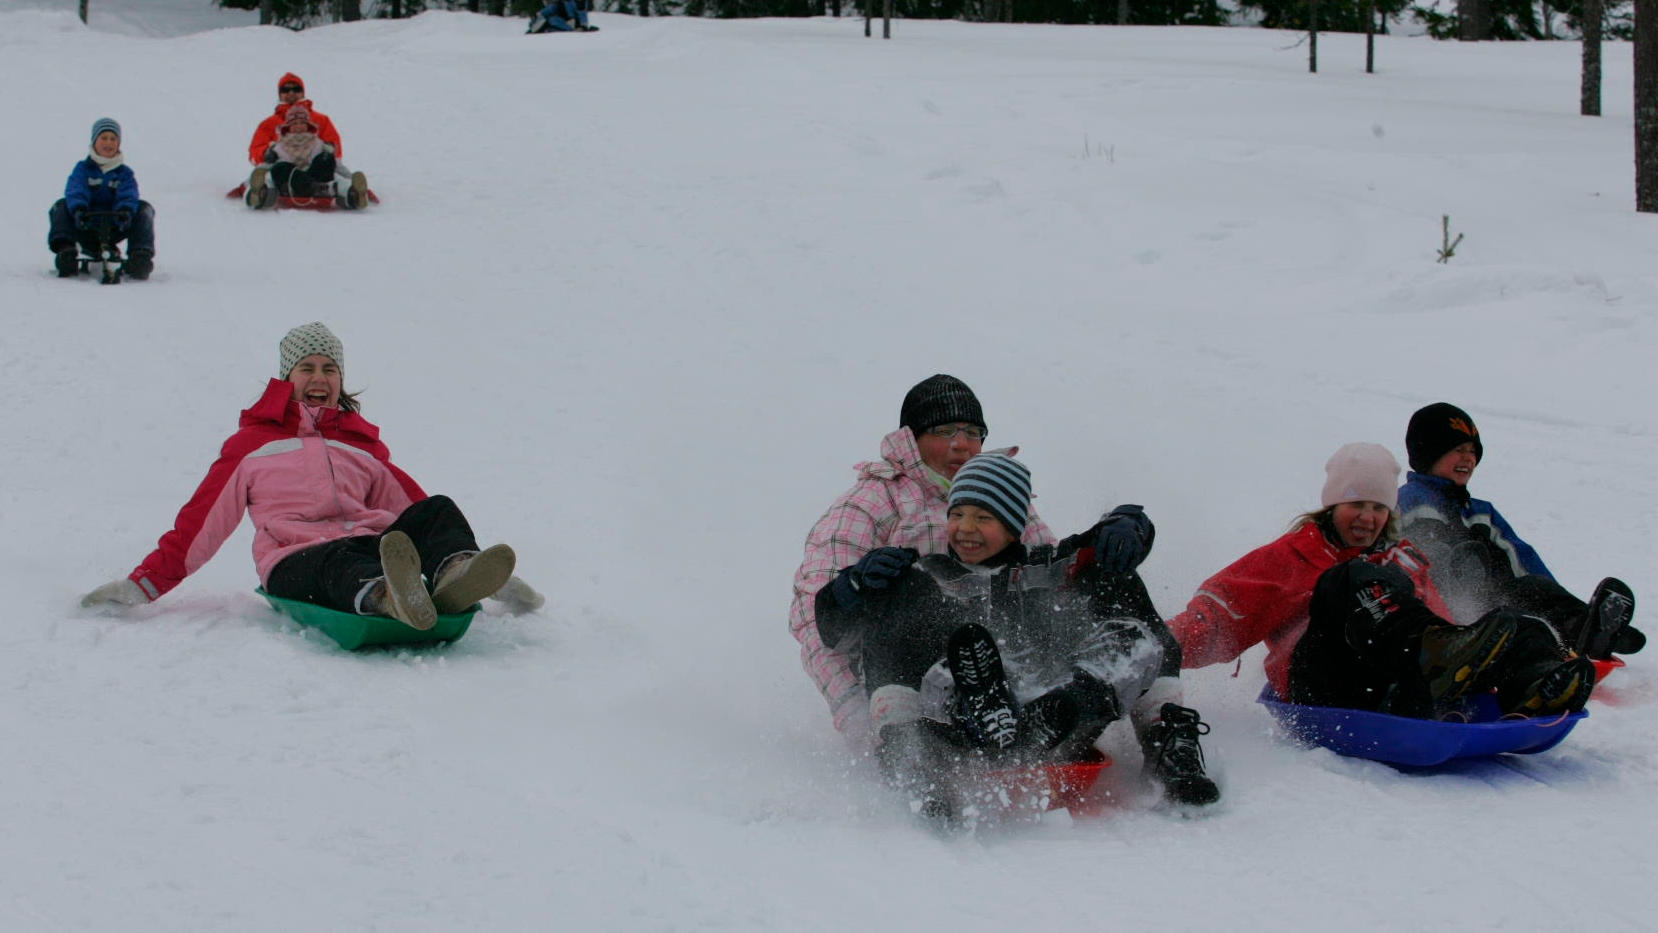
pixel 485 573
pixel 406 594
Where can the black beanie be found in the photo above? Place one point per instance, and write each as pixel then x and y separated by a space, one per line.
pixel 939 400
pixel 1437 429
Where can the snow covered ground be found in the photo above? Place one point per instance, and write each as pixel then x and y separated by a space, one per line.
pixel 638 300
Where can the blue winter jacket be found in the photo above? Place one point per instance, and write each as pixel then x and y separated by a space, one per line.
pixel 91 188
pixel 1426 498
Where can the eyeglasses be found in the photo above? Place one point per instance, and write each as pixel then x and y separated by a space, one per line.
pixel 292 89
pixel 973 431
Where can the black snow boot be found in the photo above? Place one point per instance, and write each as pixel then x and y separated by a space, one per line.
pixel 1174 757
pixel 1073 713
pixel 141 263
pixel 1456 660
pixel 68 262
pixel 985 707
pixel 1549 688
pixel 1602 628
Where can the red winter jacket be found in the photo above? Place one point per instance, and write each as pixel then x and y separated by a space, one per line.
pixel 305 475
pixel 264 136
pixel 1265 595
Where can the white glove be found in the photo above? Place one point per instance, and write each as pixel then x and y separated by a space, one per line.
pixel 519 597
pixel 116 594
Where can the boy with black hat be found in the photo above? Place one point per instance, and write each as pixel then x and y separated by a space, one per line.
pixel 1084 644
pixel 1479 562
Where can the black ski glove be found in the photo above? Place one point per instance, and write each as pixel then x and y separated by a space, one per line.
pixel 1124 540
pixel 873 572
pixel 123 219
pixel 80 218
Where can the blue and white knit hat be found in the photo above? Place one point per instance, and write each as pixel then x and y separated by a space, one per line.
pixel 996 482
pixel 105 124
pixel 306 340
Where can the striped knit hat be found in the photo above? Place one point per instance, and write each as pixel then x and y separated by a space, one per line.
pixel 996 482
pixel 105 124
pixel 308 339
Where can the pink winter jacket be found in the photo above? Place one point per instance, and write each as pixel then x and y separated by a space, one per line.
pixel 895 503
pixel 306 475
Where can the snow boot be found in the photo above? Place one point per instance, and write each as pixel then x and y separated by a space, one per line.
pixel 1456 660
pixel 1174 757
pixel 1074 713
pixel 1548 689
pixel 1607 618
pixel 141 263
pixel 68 262
pixel 401 593
pixel 260 194
pixel 537 24
pixel 587 29
pixel 468 576
pixel 985 708
pixel 356 196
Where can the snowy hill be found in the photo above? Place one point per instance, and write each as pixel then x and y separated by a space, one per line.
pixel 638 300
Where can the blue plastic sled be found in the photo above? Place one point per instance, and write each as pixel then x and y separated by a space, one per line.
pixel 1399 740
pixel 351 631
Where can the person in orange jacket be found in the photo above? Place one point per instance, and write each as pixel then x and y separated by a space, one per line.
pixel 290 90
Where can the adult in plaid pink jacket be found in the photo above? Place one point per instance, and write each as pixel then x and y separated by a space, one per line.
pixel 898 501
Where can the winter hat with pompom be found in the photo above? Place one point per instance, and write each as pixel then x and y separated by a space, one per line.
pixel 306 340
pixel 1361 472
pixel 103 125
pixel 996 482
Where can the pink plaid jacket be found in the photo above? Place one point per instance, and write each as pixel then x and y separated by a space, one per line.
pixel 895 503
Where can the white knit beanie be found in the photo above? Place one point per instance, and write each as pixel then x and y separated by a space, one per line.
pixel 308 339
pixel 1361 472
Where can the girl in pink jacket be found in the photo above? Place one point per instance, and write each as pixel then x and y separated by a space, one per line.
pixel 336 522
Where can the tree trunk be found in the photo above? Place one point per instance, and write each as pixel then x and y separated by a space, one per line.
pixel 1646 105
pixel 1548 21
pixel 347 11
pixel 1473 20
pixel 1122 12
pixel 83 11
pixel 1370 37
pixel 1590 103
pixel 1312 36
pixel 886 21
pixel 267 15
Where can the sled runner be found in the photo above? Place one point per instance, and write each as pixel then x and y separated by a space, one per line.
pixel 351 631
pixel 312 203
pixel 106 262
pixel 1399 740
pixel 1605 666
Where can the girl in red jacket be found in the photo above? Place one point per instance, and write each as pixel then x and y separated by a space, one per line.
pixel 336 522
pixel 1351 618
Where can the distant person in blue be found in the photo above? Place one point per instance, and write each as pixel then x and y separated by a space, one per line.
pixel 561 16
pixel 102 185
pixel 1478 562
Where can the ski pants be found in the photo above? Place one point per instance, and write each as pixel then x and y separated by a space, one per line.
pixel 314 180
pixel 563 16
pixel 333 573
pixel 139 234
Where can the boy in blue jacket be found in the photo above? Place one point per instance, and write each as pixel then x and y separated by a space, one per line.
pixel 102 183
pixel 1479 562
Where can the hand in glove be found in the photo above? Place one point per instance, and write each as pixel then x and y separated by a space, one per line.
pixel 1124 539
pixel 80 218
pixel 873 572
pixel 519 597
pixel 123 219
pixel 115 595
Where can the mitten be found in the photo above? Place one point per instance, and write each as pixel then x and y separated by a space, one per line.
pixel 116 595
pixel 123 219
pixel 80 218
pixel 519 597
pixel 1124 540
pixel 873 572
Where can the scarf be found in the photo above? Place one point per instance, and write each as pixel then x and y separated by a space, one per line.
pixel 298 148
pixel 103 163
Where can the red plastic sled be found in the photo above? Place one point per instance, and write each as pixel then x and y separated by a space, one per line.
pixel 1603 667
pixel 1057 786
pixel 325 203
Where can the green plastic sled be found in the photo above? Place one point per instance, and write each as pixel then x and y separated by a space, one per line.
pixel 351 631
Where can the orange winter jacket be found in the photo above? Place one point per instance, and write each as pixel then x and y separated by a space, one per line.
pixel 265 136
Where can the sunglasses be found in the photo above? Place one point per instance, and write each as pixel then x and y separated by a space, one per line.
pixel 292 89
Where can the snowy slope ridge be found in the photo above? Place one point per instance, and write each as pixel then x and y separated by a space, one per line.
pixel 638 300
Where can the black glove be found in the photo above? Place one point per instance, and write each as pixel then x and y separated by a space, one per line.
pixel 873 572
pixel 123 219
pixel 1124 540
pixel 1393 578
pixel 80 218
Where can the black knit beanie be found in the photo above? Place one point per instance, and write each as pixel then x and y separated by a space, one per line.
pixel 939 400
pixel 1436 429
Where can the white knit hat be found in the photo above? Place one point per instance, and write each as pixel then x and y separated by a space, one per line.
pixel 308 339
pixel 1361 472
